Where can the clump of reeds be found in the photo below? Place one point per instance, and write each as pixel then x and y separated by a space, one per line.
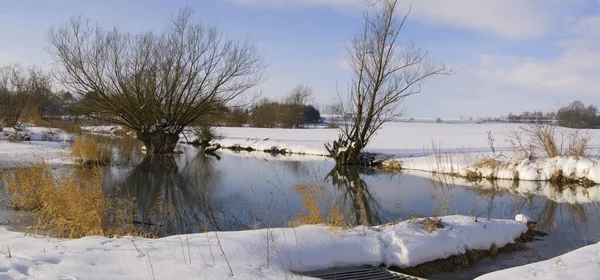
pixel 312 193
pixel 89 151
pixel 68 205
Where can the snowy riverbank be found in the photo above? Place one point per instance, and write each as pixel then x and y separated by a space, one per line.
pixel 255 254
pixel 44 143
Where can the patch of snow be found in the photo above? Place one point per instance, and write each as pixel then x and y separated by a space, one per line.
pixel 583 263
pixel 523 218
pixel 23 153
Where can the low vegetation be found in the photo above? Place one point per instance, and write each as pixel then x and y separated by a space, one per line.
pixel 71 204
pixel 313 195
pixel 429 224
pixel 90 151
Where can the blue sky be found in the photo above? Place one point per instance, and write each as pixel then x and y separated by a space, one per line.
pixel 509 55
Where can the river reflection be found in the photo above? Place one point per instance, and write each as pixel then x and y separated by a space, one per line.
pixel 193 193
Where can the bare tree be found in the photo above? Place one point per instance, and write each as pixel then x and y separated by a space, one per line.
pixel 384 73
pixel 20 89
pixel 155 84
pixel 294 105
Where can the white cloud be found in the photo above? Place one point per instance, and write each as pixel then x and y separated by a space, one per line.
pixel 514 19
pixel 576 70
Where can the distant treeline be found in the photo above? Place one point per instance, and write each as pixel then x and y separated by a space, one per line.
pixel 574 115
pixel 292 112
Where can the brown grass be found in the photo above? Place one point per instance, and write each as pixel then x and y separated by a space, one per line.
pixel 429 224
pixel 312 193
pixel 66 127
pixel 69 205
pixel 89 151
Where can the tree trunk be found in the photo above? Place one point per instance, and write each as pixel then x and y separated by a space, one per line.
pixel 158 142
pixel 346 152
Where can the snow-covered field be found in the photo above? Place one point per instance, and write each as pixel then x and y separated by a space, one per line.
pixel 400 139
pixel 256 254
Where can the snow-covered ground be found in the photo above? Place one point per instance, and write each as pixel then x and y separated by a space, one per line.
pixel 47 144
pixel 256 254
pixel 583 263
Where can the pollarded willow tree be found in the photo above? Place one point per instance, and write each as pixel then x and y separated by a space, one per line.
pixel 385 72
pixel 155 84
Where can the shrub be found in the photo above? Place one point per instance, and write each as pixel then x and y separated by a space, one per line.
pixel 205 134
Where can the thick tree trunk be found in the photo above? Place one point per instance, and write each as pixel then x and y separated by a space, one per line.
pixel 346 152
pixel 158 142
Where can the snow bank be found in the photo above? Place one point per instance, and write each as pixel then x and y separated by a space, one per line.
pixel 41 134
pixel 583 263
pixel 256 254
pixel 524 169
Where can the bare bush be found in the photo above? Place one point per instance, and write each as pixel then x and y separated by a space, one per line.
pixel 544 139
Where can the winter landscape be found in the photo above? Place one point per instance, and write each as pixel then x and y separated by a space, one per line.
pixel 201 141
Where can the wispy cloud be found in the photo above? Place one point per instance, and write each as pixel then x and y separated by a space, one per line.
pixel 513 19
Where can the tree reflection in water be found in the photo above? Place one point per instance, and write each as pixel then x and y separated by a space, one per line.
pixel 174 198
pixel 355 194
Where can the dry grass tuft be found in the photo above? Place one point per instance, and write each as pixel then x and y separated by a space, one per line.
pixel 23 186
pixel 490 163
pixel 70 205
pixel 312 193
pixel 89 151
pixel 429 224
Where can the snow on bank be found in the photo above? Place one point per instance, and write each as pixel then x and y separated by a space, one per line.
pixel 524 169
pixel 583 263
pixel 44 144
pixel 250 256
pixel 40 134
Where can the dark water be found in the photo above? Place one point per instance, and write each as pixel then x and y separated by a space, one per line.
pixel 191 193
